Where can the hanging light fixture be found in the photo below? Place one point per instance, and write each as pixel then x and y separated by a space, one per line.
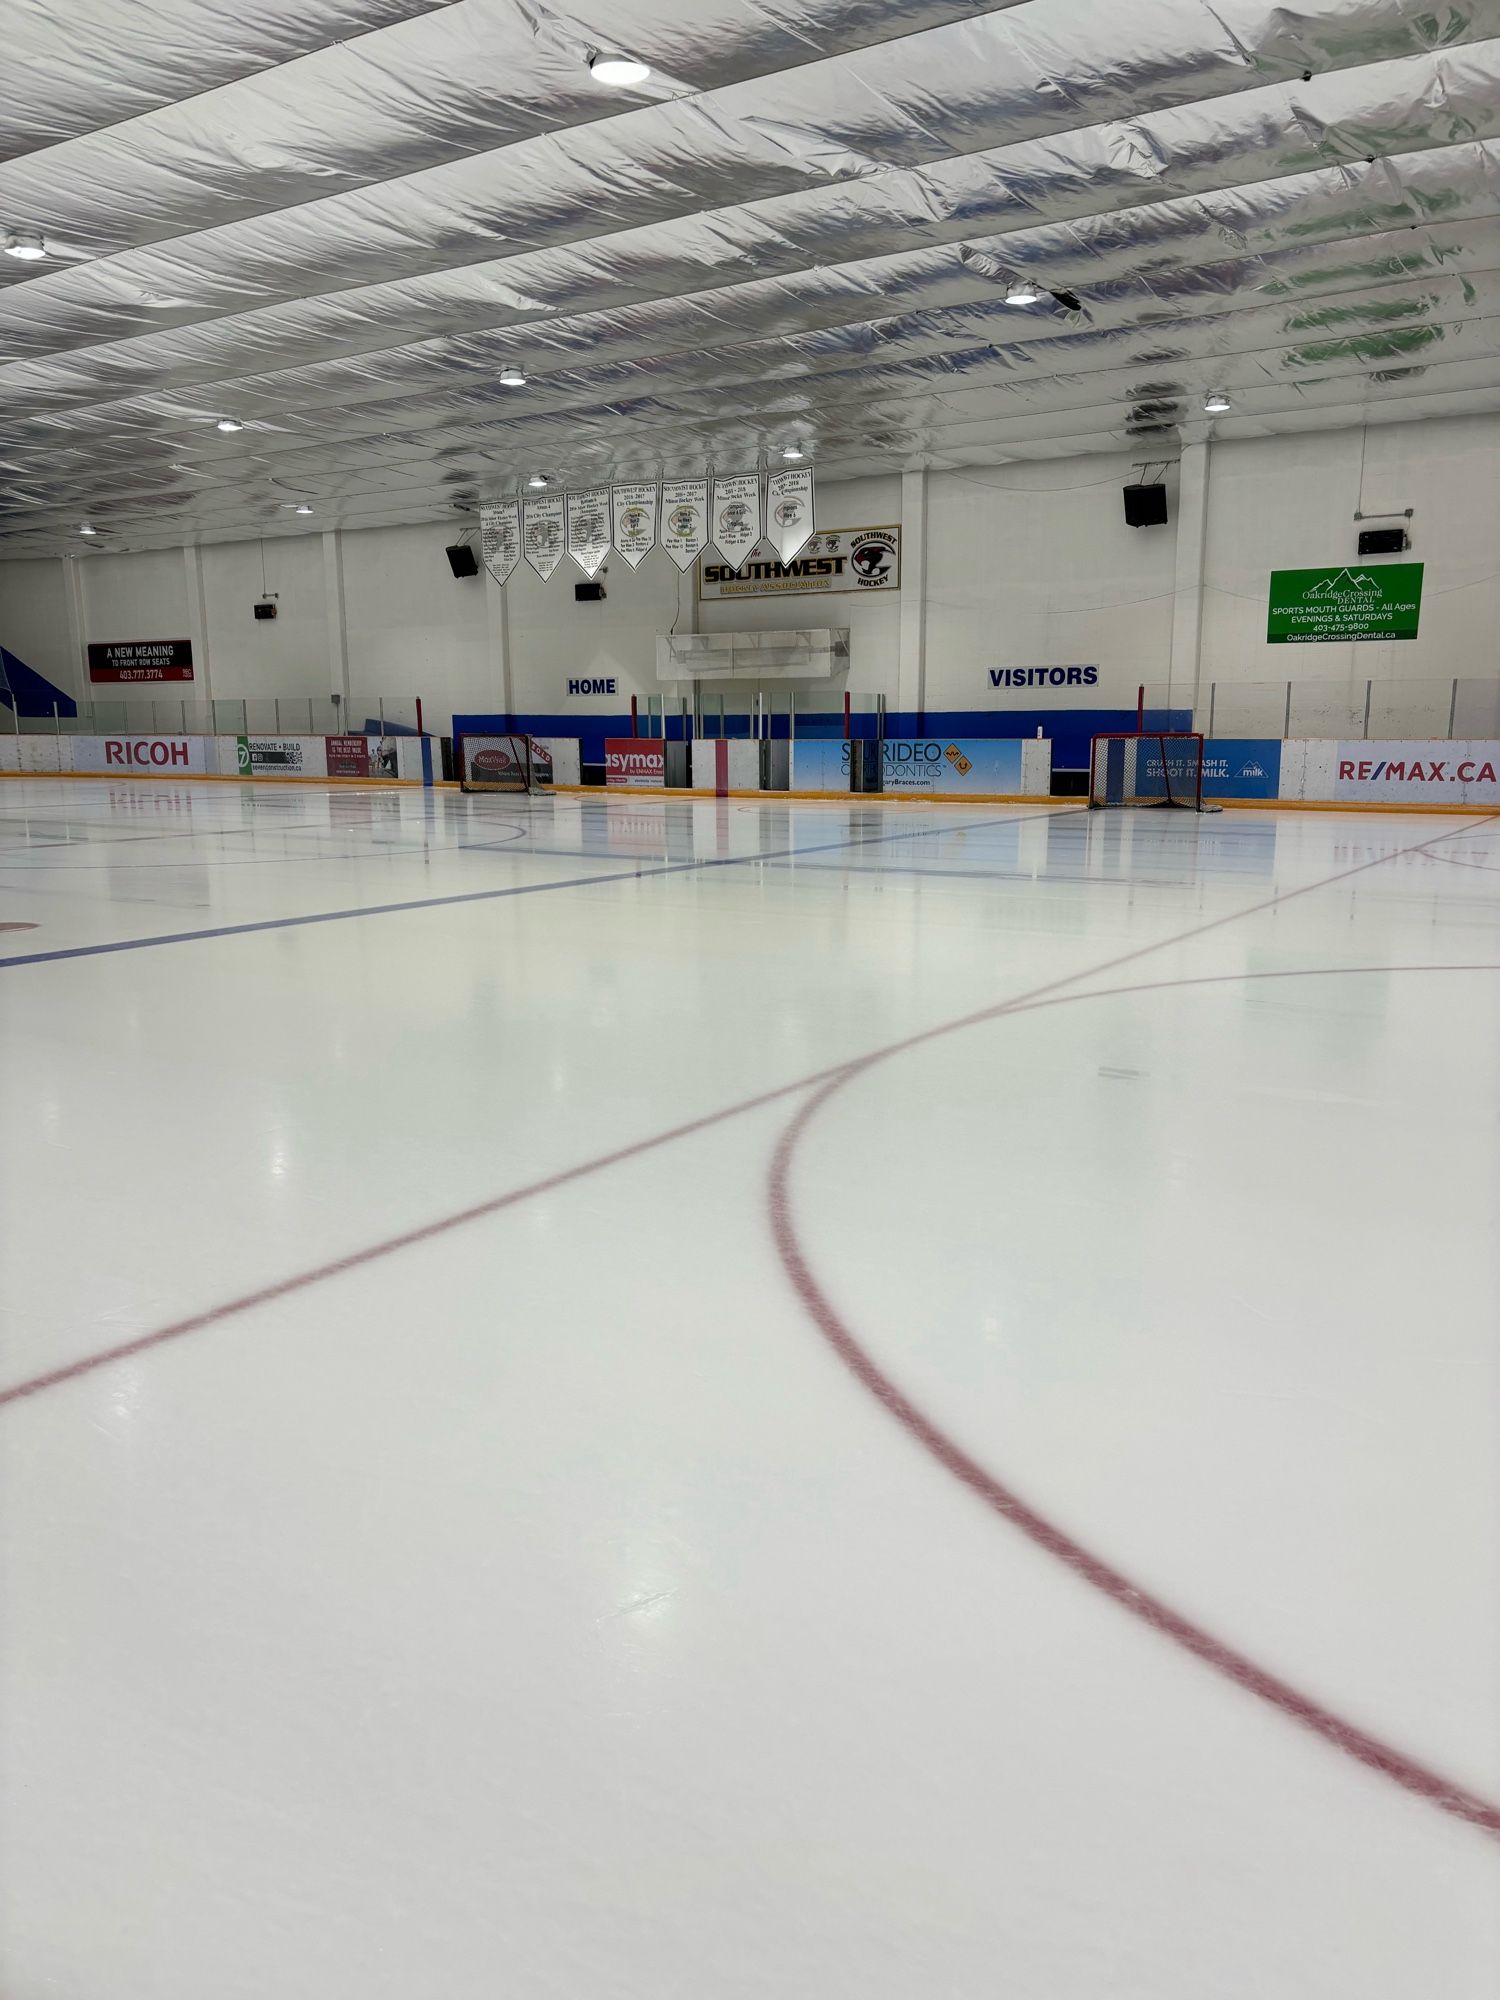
pixel 302 509
pixel 26 245
pixel 537 481
pixel 792 452
pixel 1022 292
pixel 513 376
pixel 618 71
pixel 229 424
pixel 1215 402
pixel 86 529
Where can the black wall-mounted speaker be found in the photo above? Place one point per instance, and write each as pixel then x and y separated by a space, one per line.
pixel 462 560
pixel 1145 506
pixel 588 593
pixel 265 610
pixel 1383 541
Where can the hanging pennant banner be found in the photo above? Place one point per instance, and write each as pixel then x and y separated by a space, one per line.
pixel 588 528
pixel 542 536
pixel 684 519
pixel 735 517
pixel 500 538
pixel 789 510
pixel 635 520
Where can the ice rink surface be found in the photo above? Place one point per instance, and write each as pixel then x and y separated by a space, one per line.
pixel 713 1401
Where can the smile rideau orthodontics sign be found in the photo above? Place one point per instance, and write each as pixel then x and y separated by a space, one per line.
pixel 1381 601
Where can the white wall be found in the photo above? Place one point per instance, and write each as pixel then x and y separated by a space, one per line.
pixel 1026 565
pixel 287 655
pixel 1289 503
pixel 1033 565
pixel 135 597
pixel 34 621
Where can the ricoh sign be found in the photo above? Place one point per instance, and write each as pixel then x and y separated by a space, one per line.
pixel 139 756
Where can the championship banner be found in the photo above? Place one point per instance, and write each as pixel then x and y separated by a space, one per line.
pixel 789 510
pixel 735 516
pixel 635 509
pixel 684 519
pixel 500 538
pixel 588 528
pixel 542 534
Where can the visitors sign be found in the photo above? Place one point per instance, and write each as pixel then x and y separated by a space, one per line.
pixel 1383 601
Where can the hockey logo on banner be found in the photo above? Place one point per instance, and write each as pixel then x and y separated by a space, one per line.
pixel 542 534
pixel 789 510
pixel 736 515
pixel 684 519
pixel 588 528
pixel 635 520
pixel 500 538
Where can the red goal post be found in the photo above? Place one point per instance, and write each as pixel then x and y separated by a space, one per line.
pixel 1147 768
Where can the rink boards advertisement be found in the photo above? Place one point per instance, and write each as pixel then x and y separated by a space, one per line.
pixel 164 755
pixel 1232 769
pixel 1430 774
pixel 917 764
pixel 635 763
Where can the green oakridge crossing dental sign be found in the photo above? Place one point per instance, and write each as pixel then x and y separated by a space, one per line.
pixel 1380 602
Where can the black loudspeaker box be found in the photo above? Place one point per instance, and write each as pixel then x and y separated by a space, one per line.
pixel 462 560
pixel 588 593
pixel 1383 541
pixel 1145 506
pixel 265 610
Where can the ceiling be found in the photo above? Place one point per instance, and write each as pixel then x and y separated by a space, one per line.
pixel 335 221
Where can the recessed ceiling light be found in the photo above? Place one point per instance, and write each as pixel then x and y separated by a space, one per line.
pixel 303 509
pixel 1022 292
pixel 513 376
pixel 87 530
pixel 229 424
pixel 25 244
pixel 610 67
pixel 1215 402
pixel 537 481
pixel 792 452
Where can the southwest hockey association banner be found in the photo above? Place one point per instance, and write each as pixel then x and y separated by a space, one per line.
pixel 588 528
pixel 500 538
pixel 834 559
pixel 684 520
pixel 542 533
pixel 634 506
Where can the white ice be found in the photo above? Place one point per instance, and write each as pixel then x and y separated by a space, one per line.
pixel 544 1607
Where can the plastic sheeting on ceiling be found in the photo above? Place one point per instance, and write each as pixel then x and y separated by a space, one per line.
pixel 334 221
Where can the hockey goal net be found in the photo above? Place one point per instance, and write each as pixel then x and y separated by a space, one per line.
pixel 499 764
pixel 1145 769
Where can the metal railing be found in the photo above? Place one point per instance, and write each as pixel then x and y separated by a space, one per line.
pixel 271 715
pixel 1461 709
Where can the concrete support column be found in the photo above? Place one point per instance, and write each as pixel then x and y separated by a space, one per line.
pixel 335 622
pixel 197 610
pixel 1185 669
pixel 501 681
pixel 911 685
pixel 78 634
